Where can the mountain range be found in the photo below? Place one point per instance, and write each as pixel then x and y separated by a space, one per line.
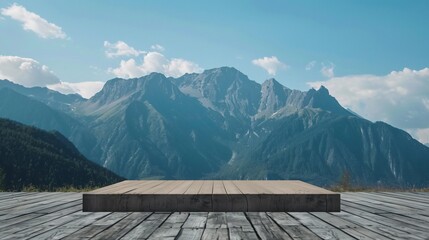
pixel 219 124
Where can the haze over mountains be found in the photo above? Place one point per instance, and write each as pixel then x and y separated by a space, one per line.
pixel 221 124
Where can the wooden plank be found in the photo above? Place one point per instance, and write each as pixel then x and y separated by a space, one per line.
pixel 183 202
pixel 195 188
pixel 257 199
pixel 216 220
pixel 236 233
pixel 12 214
pixel 215 233
pixel 181 189
pixel 19 219
pixel 175 220
pixel 122 198
pixel 194 198
pixel 129 187
pixel 41 219
pixel 171 227
pixel 382 199
pixel 31 231
pixel 31 201
pixel 168 189
pixel 190 234
pixel 43 205
pixel 384 206
pixel 206 188
pixel 384 230
pixel 239 226
pixel 419 221
pixel 63 230
pixel 122 227
pixel 406 196
pixel 268 196
pixel 348 227
pixel 413 221
pixel 319 227
pixel 397 201
pixel 147 227
pixel 148 187
pixel 116 186
pixel 191 200
pixel 97 227
pixel 165 233
pixel 300 196
pixel 27 214
pixel 196 220
pixel 157 198
pixel 291 226
pixel 265 227
pixel 238 220
pixel 15 196
pixel 236 198
pixel 220 201
pixel 305 191
pixel 384 221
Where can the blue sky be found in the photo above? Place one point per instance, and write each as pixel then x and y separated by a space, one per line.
pixel 372 55
pixel 371 37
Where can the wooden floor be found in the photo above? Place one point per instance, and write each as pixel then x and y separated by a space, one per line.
pixel 211 196
pixel 363 216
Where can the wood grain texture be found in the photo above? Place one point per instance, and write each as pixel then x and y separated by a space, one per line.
pixel 211 196
pixel 363 216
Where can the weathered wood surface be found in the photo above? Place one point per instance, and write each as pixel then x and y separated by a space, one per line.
pixel 211 196
pixel 363 216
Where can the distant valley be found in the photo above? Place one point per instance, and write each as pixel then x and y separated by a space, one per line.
pixel 219 124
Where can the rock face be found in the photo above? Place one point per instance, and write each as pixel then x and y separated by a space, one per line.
pixel 220 124
pixel 148 128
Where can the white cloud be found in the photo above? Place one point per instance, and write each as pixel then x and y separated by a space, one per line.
pixel 155 62
pixel 33 22
pixel 310 65
pixel 400 98
pixel 328 70
pixel 26 71
pixel 270 64
pixel 120 48
pixel 157 47
pixel 421 134
pixel 30 73
pixel 85 89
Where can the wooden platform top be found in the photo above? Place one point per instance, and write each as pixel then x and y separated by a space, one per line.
pixel 384 215
pixel 211 196
pixel 211 187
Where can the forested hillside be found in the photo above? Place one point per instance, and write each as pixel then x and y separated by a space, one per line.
pixel 44 160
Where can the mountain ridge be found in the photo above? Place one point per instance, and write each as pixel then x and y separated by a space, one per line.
pixel 221 124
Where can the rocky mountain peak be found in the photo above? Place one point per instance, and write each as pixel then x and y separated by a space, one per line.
pixel 322 99
pixel 273 97
pixel 225 90
pixel 323 90
pixel 271 82
pixel 152 84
